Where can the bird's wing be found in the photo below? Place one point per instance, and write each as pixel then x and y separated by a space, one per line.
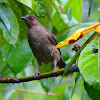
pixel 52 39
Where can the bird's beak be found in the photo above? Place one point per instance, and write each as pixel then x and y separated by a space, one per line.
pixel 24 18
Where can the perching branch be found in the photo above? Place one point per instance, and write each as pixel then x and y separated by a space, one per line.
pixel 41 76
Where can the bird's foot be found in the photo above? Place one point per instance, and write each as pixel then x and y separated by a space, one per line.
pixel 37 74
pixel 54 71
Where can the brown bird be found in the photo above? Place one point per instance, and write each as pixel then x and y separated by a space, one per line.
pixel 42 42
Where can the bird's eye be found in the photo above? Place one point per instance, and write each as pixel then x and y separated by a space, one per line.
pixel 32 18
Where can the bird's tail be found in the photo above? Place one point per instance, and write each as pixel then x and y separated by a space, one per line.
pixel 61 64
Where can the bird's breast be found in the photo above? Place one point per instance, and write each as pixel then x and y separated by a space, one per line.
pixel 41 47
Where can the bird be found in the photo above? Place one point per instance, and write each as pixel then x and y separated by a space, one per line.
pixel 42 42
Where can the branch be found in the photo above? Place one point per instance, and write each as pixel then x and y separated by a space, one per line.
pixel 41 76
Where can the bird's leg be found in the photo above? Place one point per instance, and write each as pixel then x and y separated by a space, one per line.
pixel 36 71
pixel 55 63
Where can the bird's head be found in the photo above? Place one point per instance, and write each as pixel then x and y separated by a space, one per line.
pixel 30 20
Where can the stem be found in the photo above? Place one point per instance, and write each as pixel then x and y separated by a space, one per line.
pixel 31 91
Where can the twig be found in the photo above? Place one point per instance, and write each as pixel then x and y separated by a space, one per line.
pixel 41 76
pixel 31 91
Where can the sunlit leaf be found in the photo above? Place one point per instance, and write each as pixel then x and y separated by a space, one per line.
pixel 88 65
pixel 29 3
pixel 71 19
pixel 75 7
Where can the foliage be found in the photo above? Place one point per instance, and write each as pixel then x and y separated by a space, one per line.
pixel 63 18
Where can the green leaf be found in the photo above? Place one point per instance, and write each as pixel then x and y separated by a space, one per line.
pixel 59 2
pixel 91 1
pixel 5 50
pixel 88 65
pixel 67 93
pixel 71 19
pixel 2 1
pixel 3 63
pixel 58 22
pixel 3 57
pixel 76 8
pixel 28 3
pixel 47 84
pixel 97 1
pixel 40 9
pixel 8 90
pixel 45 22
pixel 80 93
pixel 9 25
pixel 2 40
pixel 48 6
pixel 77 77
pixel 20 56
pixel 43 7
pixel 62 88
pixel 92 92
pixel 21 10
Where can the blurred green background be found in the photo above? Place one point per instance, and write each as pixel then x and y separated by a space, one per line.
pixel 62 17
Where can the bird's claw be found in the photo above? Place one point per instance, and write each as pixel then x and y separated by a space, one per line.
pixel 37 74
pixel 53 71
